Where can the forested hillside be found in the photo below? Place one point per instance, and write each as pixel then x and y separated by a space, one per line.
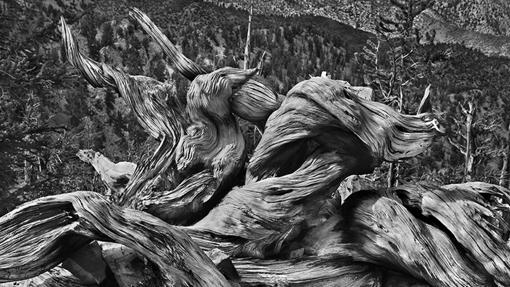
pixel 49 112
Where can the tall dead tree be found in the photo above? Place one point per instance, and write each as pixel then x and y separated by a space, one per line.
pixel 282 226
pixel 466 145
pixel 503 176
pixel 248 40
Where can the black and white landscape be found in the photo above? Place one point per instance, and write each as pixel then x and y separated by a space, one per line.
pixel 254 143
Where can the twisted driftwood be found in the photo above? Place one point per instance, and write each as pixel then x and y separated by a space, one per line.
pixel 40 234
pixel 281 226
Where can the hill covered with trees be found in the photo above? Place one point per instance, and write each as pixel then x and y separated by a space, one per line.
pixel 49 112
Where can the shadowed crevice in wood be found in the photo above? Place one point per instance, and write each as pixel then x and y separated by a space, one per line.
pixel 56 277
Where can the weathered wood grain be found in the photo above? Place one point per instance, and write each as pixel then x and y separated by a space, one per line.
pixel 157 107
pixel 384 232
pixel 271 213
pixel 200 139
pixel 56 277
pixel 474 214
pixel 320 107
pixel 40 234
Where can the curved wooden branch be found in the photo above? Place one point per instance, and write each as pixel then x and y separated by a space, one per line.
pixel 38 235
pixel 156 106
pixel 254 101
pixel 89 68
pixel 209 155
pixel 475 215
pixel 313 107
pixel 382 231
pixel 184 65
pixel 208 141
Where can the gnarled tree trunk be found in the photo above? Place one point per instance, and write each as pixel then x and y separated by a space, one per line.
pixel 282 226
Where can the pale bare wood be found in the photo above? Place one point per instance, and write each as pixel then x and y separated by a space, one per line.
pixel 475 214
pixel 125 263
pixel 56 277
pixel 114 175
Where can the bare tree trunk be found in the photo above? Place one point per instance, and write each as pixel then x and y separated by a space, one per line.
pixel 27 172
pixel 468 155
pixel 503 177
pixel 248 40
pixel 393 171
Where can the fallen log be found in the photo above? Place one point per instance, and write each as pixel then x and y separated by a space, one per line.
pixel 40 234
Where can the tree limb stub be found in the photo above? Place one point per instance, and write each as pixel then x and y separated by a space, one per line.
pixel 114 175
pixel 90 69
